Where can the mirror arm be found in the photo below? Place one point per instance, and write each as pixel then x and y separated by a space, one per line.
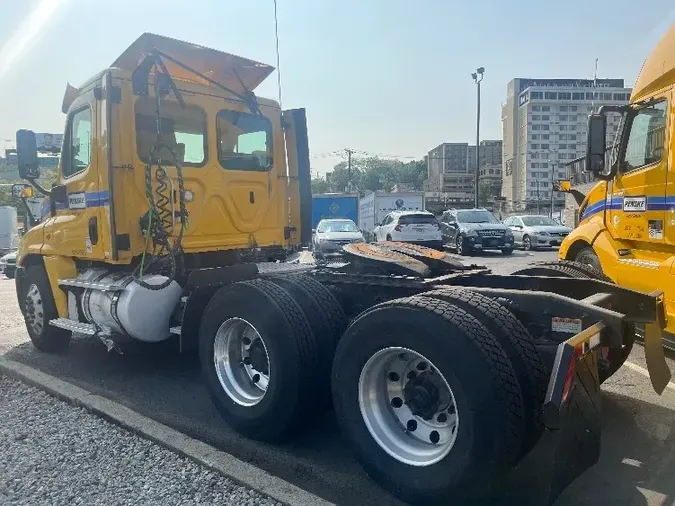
pixel 39 187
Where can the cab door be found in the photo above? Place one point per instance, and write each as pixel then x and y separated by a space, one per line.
pixel 75 229
pixel 636 200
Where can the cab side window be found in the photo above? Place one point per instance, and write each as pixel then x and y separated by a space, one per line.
pixel 646 140
pixel 78 150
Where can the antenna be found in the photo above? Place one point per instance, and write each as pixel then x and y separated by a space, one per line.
pixel 595 84
pixel 276 34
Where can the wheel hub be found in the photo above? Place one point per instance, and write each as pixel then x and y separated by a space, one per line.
pixel 34 309
pixel 408 406
pixel 241 362
pixel 422 396
pixel 258 357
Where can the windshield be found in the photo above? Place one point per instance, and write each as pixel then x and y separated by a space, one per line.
pixel 417 219
pixel 337 226
pixel 534 221
pixel 476 217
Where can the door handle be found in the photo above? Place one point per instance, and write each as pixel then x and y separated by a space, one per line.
pixel 93 230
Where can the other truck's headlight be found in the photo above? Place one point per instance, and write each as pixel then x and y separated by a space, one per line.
pixel 470 233
pixel 545 234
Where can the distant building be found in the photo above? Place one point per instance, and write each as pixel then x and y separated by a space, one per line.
pixel 452 166
pixel 544 127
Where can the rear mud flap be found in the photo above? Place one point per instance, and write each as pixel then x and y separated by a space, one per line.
pixel 563 454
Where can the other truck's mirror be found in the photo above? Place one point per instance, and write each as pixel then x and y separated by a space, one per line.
pixel 22 191
pixel 596 143
pixel 313 231
pixel 26 154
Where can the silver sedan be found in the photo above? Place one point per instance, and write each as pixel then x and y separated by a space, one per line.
pixel 331 235
pixel 532 232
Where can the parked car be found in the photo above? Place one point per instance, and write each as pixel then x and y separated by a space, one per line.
pixel 331 235
pixel 469 230
pixel 532 232
pixel 417 227
pixel 8 264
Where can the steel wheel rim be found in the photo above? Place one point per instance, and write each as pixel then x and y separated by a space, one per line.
pixel 34 309
pixel 241 361
pixel 391 411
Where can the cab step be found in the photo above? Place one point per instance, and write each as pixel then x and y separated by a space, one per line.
pixel 79 327
pixel 79 283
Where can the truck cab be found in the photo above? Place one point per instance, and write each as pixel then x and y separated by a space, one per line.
pixel 627 221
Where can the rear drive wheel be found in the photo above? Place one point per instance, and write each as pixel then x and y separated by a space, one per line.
pixel 259 359
pixel 37 303
pixel 517 344
pixel 428 399
pixel 326 318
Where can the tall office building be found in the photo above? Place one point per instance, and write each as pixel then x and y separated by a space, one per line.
pixel 544 127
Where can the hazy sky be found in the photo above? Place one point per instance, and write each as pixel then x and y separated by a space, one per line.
pixel 389 77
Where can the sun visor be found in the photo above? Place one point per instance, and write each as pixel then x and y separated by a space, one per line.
pixel 68 97
pixel 233 72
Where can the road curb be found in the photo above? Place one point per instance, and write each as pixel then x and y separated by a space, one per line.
pixel 202 453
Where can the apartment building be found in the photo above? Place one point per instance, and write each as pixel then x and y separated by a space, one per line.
pixel 544 128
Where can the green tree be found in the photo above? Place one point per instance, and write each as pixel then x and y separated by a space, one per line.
pixel 319 185
pixel 374 173
pixel 487 191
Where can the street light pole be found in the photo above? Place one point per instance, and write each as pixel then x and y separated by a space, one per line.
pixel 552 175
pixel 477 78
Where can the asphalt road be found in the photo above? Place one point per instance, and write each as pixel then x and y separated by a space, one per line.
pixel 636 468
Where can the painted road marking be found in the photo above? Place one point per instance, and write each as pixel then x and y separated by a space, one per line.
pixel 644 372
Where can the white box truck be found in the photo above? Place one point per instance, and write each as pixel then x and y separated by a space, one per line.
pixel 376 205
pixel 9 229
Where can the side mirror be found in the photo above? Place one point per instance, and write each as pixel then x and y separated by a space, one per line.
pixel 313 231
pixel 59 194
pixel 26 154
pixel 22 191
pixel 596 143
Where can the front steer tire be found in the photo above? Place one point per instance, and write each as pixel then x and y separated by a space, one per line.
pixel 292 353
pixel 38 307
pixel 488 398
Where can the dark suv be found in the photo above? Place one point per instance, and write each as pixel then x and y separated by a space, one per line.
pixel 469 230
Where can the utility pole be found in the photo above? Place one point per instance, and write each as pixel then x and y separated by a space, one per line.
pixel 349 170
pixel 477 78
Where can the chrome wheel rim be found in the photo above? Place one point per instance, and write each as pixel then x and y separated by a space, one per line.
pixel 241 361
pixel 34 309
pixel 408 406
pixel 527 244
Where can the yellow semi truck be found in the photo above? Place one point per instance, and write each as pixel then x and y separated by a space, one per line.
pixel 176 188
pixel 627 220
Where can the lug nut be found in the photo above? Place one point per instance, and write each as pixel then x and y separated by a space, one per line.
pixel 397 402
pixel 393 376
pixel 411 425
pixel 434 437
